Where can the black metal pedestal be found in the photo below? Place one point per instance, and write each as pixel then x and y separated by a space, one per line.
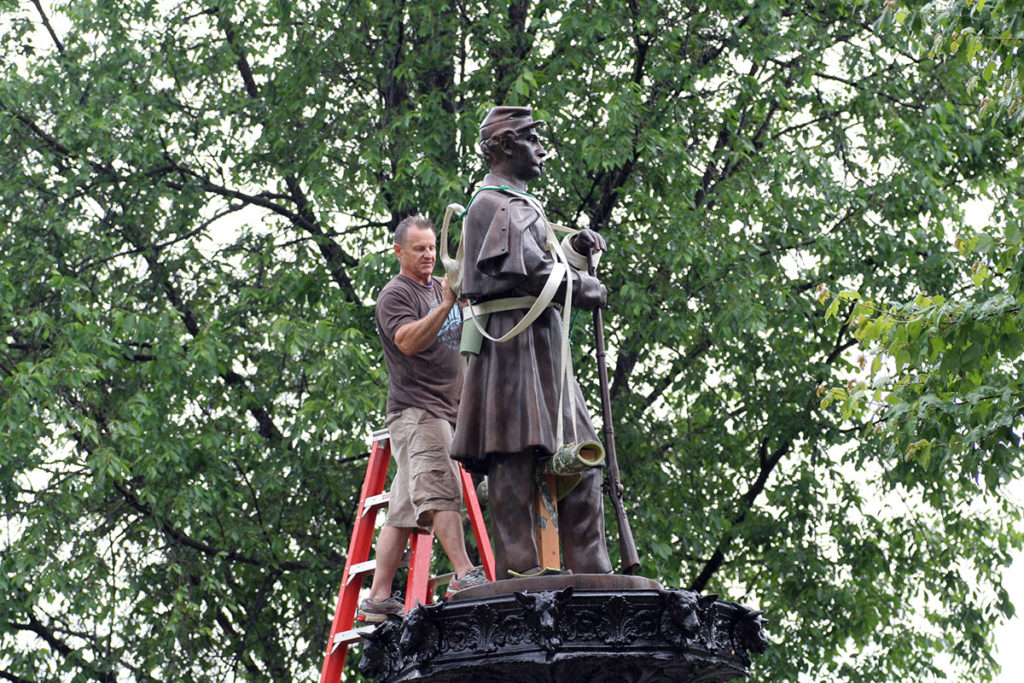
pixel 595 628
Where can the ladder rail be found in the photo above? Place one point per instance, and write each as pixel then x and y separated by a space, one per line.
pixel 358 553
pixel 476 522
pixel 417 590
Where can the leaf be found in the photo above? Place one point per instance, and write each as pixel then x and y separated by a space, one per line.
pixel 832 309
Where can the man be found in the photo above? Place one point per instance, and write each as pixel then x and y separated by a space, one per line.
pixel 508 419
pixel 419 326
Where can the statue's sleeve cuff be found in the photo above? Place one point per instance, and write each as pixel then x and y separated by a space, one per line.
pixel 576 259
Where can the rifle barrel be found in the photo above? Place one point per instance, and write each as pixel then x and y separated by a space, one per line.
pixel 627 546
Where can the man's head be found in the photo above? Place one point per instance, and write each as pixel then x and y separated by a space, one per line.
pixel 414 247
pixel 509 143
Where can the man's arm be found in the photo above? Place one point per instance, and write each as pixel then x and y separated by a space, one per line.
pixel 411 338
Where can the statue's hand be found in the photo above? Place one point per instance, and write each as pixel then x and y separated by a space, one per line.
pixel 587 241
pixel 592 295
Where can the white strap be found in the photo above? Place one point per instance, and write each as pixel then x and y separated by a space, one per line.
pixel 568 377
pixel 452 267
pixel 541 302
pixel 509 303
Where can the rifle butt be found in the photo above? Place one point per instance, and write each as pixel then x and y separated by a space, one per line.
pixel 627 546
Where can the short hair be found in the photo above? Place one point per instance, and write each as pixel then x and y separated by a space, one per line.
pixel 414 221
pixel 491 149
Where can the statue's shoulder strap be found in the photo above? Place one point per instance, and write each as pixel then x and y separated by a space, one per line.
pixel 453 267
pixel 522 194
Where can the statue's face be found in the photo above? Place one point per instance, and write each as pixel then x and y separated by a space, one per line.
pixel 525 156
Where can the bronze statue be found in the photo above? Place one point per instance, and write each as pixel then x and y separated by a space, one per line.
pixel 515 402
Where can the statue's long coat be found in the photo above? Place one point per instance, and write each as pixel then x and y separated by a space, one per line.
pixel 511 389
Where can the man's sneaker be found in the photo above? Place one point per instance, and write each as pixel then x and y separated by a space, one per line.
pixel 375 612
pixel 474 577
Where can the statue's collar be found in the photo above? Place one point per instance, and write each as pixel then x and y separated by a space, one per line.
pixel 495 180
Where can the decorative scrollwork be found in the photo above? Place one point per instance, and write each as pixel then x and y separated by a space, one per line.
pixel 625 636
pixel 620 622
pixel 489 633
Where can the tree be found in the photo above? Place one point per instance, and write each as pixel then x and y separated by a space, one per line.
pixel 196 204
pixel 952 394
pixel 941 387
pixel 952 391
pixel 985 36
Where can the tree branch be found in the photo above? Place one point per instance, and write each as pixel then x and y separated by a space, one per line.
pixel 243 63
pixel 34 625
pixel 184 539
pixel 615 179
pixel 49 28
pixel 681 361
pixel 13 678
pixel 241 655
pixel 232 208
pixel 767 465
pixel 336 257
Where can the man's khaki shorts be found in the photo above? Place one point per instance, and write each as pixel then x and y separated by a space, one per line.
pixel 427 478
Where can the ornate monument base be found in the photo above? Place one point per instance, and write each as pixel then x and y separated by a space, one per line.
pixel 621 629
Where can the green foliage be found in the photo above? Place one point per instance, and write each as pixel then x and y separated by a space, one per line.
pixel 987 36
pixel 194 215
pixel 945 383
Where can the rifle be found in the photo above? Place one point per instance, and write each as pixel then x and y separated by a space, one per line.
pixel 612 483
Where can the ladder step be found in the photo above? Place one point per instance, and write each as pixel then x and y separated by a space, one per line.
pixel 351 636
pixel 440 580
pixel 361 569
pixel 380 500
pixel 357 571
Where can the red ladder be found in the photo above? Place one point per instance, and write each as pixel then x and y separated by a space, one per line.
pixel 420 587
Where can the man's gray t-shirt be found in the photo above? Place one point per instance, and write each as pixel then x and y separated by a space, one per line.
pixel 432 378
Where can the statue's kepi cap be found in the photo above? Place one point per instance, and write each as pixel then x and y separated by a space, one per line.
pixel 500 119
